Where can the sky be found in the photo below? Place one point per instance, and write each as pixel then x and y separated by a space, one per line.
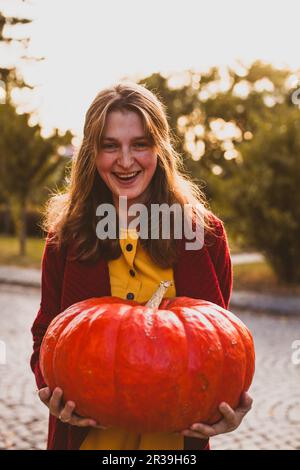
pixel 89 44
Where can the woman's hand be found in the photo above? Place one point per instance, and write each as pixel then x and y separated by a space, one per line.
pixel 232 419
pixel 64 412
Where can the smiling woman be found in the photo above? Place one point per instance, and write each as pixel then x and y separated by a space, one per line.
pixel 126 151
pixel 127 161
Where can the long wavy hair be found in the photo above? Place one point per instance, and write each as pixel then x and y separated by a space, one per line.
pixel 70 214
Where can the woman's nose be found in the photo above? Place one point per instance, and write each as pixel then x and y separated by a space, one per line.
pixel 125 160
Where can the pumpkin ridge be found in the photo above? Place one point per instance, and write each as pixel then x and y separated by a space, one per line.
pixel 246 338
pixel 66 331
pixel 114 363
pixel 115 366
pixel 188 349
pixel 215 319
pixel 203 319
pixel 121 404
pixel 180 385
pixel 59 322
pixel 109 312
pixel 221 373
pixel 236 326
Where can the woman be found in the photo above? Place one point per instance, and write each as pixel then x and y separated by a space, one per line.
pixel 126 151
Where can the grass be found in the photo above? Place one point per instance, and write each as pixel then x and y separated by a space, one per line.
pixel 257 277
pixel 237 244
pixel 260 277
pixel 9 252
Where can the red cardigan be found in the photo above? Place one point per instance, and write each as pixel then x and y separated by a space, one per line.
pixel 203 274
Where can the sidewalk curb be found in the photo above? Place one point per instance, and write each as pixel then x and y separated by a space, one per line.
pixel 268 303
pixel 254 301
pixel 25 277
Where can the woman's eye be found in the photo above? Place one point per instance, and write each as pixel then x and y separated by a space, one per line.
pixel 109 146
pixel 140 144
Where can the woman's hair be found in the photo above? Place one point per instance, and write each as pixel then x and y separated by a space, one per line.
pixel 71 213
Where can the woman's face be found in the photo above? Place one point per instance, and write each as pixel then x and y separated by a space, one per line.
pixel 127 158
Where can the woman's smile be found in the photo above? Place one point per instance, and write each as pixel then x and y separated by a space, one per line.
pixel 127 179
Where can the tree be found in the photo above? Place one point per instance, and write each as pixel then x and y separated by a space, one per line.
pixel 264 192
pixel 10 76
pixel 218 117
pixel 213 112
pixel 27 161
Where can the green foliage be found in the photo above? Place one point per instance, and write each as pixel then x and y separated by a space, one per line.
pixel 264 192
pixel 250 173
pixel 9 252
pixel 27 162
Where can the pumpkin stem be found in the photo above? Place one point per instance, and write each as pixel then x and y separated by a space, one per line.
pixel 158 295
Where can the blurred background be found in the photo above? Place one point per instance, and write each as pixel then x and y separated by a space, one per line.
pixel 229 74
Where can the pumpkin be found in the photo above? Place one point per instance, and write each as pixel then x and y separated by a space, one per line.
pixel 158 367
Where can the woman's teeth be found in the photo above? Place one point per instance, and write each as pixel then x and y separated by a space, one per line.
pixel 127 176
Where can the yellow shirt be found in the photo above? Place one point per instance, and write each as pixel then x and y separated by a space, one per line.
pixel 134 273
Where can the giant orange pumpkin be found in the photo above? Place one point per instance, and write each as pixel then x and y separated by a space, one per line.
pixel 148 368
